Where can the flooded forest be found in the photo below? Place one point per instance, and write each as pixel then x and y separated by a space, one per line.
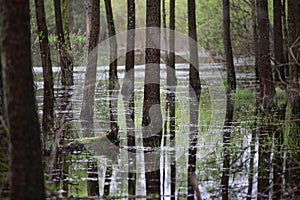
pixel 155 99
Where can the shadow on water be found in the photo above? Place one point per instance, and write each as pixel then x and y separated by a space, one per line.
pixel 226 160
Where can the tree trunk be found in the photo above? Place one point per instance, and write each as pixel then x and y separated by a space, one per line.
pixel 87 109
pixel 171 95
pixel 113 72
pixel 48 101
pixel 195 91
pixel 113 86
pixel 255 38
pixel 278 43
pixel 267 89
pixel 128 95
pixel 231 79
pixel 267 95
pixel 152 121
pixel 65 22
pixel 66 62
pixel 26 168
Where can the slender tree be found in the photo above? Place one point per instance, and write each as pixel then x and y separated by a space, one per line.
pixel 171 95
pixel 152 121
pixel 26 169
pixel 267 98
pixel 113 72
pixel 48 101
pixel 65 21
pixel 231 79
pixel 113 86
pixel 87 109
pixel 128 93
pixel 66 62
pixel 195 91
pixel 278 42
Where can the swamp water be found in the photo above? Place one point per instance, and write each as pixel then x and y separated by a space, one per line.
pixel 74 177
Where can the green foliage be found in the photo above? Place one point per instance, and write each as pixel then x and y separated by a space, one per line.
pixel 245 96
pixel 208 15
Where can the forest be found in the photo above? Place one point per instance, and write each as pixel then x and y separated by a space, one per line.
pixel 155 99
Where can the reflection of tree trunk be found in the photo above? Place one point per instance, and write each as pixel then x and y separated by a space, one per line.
pixel 66 62
pixel 113 85
pixel 26 167
pixel 48 101
pixel 226 146
pixel 57 156
pixel 152 117
pixel 93 182
pixel 128 95
pixel 278 156
pixel 252 151
pixel 293 155
pixel 195 91
pixel 87 109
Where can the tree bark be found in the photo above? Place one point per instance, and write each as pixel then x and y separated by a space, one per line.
pixel 66 62
pixel 278 43
pixel 113 72
pixel 48 101
pixel 231 79
pixel 128 94
pixel 152 121
pixel 26 169
pixel 267 89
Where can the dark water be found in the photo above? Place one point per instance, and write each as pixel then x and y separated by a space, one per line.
pixel 210 138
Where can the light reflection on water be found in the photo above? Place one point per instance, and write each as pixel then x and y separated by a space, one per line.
pixel 209 156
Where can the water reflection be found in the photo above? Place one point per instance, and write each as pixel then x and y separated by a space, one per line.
pixel 222 168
